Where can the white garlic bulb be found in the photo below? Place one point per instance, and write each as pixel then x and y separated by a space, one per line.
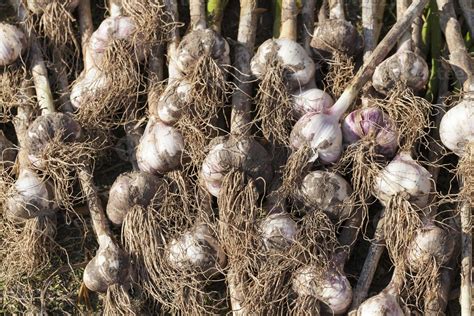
pixel 170 105
pixel 403 176
pixel 12 43
pixel 90 82
pixel 310 100
pixel 456 129
pixel 278 231
pixel 381 304
pixel 160 149
pixel 298 65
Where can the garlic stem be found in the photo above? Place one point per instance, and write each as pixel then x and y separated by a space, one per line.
pixel 288 19
pixel 405 43
pixel 115 8
pixel 86 28
pixel 467 9
pixel 215 11
pixel 197 10
pixel 241 105
pixel 366 71
pixel 372 15
pixel 336 9
pixel 465 298
pixel 307 15
pixel 63 84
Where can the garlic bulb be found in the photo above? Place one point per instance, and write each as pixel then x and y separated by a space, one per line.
pixel 330 286
pixel 29 197
pixel 278 231
pixel 196 249
pixel 405 67
pixel 298 65
pixel 403 176
pixel 320 132
pixel 199 43
pixel 160 149
pixel 243 154
pixel 381 304
pixel 112 29
pixel 109 266
pixel 328 192
pixel 372 124
pixel 430 243
pixel 90 82
pixel 38 6
pixel 336 35
pixel 170 105
pixel 130 189
pixel 12 43
pixel 456 129
pixel 47 127
pixel 310 100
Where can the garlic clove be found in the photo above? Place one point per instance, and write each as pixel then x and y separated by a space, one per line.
pixel 12 43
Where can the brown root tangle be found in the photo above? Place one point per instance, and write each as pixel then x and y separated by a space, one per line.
pixel 340 72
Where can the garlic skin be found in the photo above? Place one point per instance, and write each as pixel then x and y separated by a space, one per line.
pixel 403 176
pixel 336 35
pixel 199 43
pixel 431 242
pixel 45 128
pixel 328 192
pixel 196 249
pixel 90 82
pixel 38 6
pixel 109 266
pixel 131 189
pixel 331 287
pixel 371 124
pixel 160 149
pixel 456 129
pixel 111 29
pixel 381 304
pixel 12 43
pixel 298 65
pixel 29 197
pixel 320 132
pixel 405 67
pixel 278 231
pixel 243 154
pixel 170 105
pixel 310 100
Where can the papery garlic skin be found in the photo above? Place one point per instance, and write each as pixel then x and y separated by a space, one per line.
pixel 298 65
pixel 456 129
pixel 90 82
pixel 403 67
pixel 381 305
pixel 199 43
pixel 243 154
pixel 160 149
pixel 12 43
pixel 196 249
pixel 310 100
pixel 403 176
pixel 278 231
pixel 330 286
pixel 336 35
pixel 322 133
pixel 29 197
pixel 371 124
pixel 430 243
pixel 328 192
pixel 170 105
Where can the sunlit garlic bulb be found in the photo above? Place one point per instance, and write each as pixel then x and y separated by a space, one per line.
pixel 329 286
pixel 12 43
pixel 278 231
pixel 88 85
pixel 456 129
pixel 29 197
pixel 328 192
pixel 381 304
pixel 196 249
pixel 320 132
pixel 160 149
pixel 310 100
pixel 46 128
pixel 38 6
pixel 109 266
pixel 371 124
pixel 298 66
pixel 131 189
pixel 430 243
pixel 244 154
pixel 403 67
pixel 201 43
pixel 170 105
pixel 336 35
pixel 403 176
